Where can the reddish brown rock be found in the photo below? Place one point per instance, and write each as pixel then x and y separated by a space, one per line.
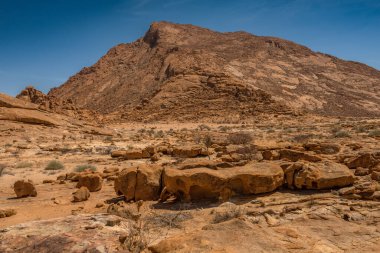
pixel 294 156
pixel 82 194
pixel 24 188
pixel 93 181
pixel 321 175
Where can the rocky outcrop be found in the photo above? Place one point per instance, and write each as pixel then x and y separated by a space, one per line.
pixel 203 183
pixel 139 183
pixel 322 148
pixel 24 188
pixel 321 175
pixel 189 151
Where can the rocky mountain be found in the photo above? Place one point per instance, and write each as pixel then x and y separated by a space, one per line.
pixel 186 72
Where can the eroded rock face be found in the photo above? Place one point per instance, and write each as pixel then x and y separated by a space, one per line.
pixel 82 194
pixel 24 188
pixel 204 183
pixel 140 183
pixel 92 181
pixel 321 175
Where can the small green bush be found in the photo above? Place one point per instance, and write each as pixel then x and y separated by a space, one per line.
pixel 21 165
pixel 54 165
pixel 84 167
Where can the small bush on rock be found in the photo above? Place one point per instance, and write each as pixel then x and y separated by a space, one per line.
pixel 54 165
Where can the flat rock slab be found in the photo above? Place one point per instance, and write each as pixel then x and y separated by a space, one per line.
pixel 205 183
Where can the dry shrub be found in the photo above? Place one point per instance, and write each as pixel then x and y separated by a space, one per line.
pixel 239 138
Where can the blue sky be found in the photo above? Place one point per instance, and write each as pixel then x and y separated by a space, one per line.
pixel 44 42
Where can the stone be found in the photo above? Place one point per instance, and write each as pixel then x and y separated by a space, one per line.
pixel 295 156
pixel 365 160
pixel 93 181
pixel 140 183
pixel 270 155
pixel 24 188
pixel 375 175
pixel 189 151
pixel 7 213
pixel 118 153
pixel 359 171
pixel 322 148
pixel 321 175
pixel 203 183
pixel 82 194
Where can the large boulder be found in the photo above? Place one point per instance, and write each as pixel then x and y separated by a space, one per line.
pixel 321 175
pixel 139 183
pixel 24 188
pixel 132 154
pixel 92 181
pixel 205 183
pixel 294 156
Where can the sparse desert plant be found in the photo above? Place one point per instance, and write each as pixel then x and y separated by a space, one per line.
pixel 2 168
pixel 84 167
pixel 159 134
pixel 24 164
pixel 54 165
pixel 374 133
pixel 228 214
pixel 341 134
pixel 240 138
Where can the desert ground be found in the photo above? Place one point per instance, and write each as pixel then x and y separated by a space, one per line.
pixel 342 216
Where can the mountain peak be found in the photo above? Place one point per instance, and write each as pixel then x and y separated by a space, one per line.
pixel 186 72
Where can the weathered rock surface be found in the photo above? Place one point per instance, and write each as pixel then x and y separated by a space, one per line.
pixel 79 233
pixel 11 102
pixel 322 148
pixel 92 181
pixel 82 194
pixel 190 151
pixel 24 188
pixel 140 183
pixel 204 183
pixel 321 175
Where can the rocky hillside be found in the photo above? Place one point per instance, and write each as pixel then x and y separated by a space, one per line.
pixel 184 72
